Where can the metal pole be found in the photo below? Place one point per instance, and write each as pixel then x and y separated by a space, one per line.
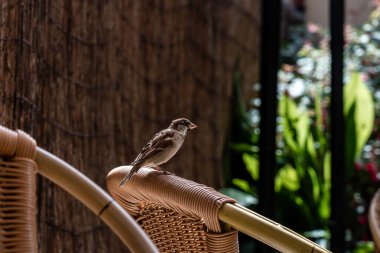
pixel 269 63
pixel 338 196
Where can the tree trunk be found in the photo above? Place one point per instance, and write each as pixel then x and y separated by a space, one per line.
pixel 92 81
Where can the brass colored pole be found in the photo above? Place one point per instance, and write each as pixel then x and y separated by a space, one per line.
pixel 266 230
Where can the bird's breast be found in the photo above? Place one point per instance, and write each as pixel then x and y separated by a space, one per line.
pixel 170 152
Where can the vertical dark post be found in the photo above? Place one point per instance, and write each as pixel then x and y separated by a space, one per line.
pixel 338 195
pixel 269 63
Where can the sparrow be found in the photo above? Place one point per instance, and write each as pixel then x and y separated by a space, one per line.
pixel 163 146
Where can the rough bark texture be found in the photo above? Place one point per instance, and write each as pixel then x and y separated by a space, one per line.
pixel 92 81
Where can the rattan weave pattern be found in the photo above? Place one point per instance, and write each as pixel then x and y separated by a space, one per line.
pixel 178 214
pixel 18 232
pixel 168 230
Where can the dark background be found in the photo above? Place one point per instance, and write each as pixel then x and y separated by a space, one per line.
pixel 92 81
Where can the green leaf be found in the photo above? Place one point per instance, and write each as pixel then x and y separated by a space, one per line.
pixel 242 184
pixel 287 177
pixel 289 115
pixel 289 137
pixel 350 139
pixel 327 169
pixel 358 96
pixel 252 165
pixel 365 247
pixel 324 207
pixel 302 130
pixel 244 147
pixel 314 183
pixel 288 108
pixel 311 149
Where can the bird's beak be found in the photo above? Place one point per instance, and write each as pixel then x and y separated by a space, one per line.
pixel 192 126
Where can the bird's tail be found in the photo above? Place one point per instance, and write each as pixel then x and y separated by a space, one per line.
pixel 134 169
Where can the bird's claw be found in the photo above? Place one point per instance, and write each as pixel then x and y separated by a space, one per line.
pixel 166 172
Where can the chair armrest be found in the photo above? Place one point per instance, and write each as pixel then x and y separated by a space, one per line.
pixel 96 199
pixel 266 230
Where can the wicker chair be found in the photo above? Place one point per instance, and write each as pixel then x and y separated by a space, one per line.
pixel 374 219
pixel 182 216
pixel 20 160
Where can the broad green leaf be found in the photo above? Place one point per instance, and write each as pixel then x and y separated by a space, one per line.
pixel 289 114
pixel 288 108
pixel 327 169
pixel 315 184
pixel 252 165
pixel 357 95
pixel 324 206
pixel 287 177
pixel 242 184
pixel 311 149
pixel 289 137
pixel 350 139
pixel 244 147
pixel 364 247
pixel 349 92
pixel 302 129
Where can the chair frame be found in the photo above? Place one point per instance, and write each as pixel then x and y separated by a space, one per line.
pixel 96 199
pixel 126 228
pixel 17 147
pixel 152 187
pixel 374 219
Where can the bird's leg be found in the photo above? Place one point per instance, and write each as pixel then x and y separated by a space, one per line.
pixel 158 168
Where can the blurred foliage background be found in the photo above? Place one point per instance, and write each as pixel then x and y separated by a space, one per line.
pixel 303 172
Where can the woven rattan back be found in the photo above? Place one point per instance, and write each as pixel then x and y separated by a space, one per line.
pixel 179 215
pixel 17 192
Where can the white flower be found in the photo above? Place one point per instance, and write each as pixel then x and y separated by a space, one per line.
pixel 296 88
pixel 306 66
pixel 364 38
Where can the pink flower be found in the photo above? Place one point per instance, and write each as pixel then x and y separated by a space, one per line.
pixel 313 28
pixel 288 68
pixel 365 78
pixel 372 171
pixel 358 166
pixel 362 219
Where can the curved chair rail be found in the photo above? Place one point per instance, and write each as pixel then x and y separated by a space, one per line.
pixel 148 185
pixel 374 219
pixel 17 144
pixel 266 230
pixel 96 199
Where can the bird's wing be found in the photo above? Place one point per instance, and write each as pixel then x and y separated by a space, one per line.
pixel 161 141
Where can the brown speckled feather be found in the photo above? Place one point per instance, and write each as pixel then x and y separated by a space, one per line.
pixel 160 142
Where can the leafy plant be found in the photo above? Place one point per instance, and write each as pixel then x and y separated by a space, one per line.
pixel 303 176
pixel 303 172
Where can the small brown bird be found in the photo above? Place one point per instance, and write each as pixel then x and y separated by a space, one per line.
pixel 163 146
